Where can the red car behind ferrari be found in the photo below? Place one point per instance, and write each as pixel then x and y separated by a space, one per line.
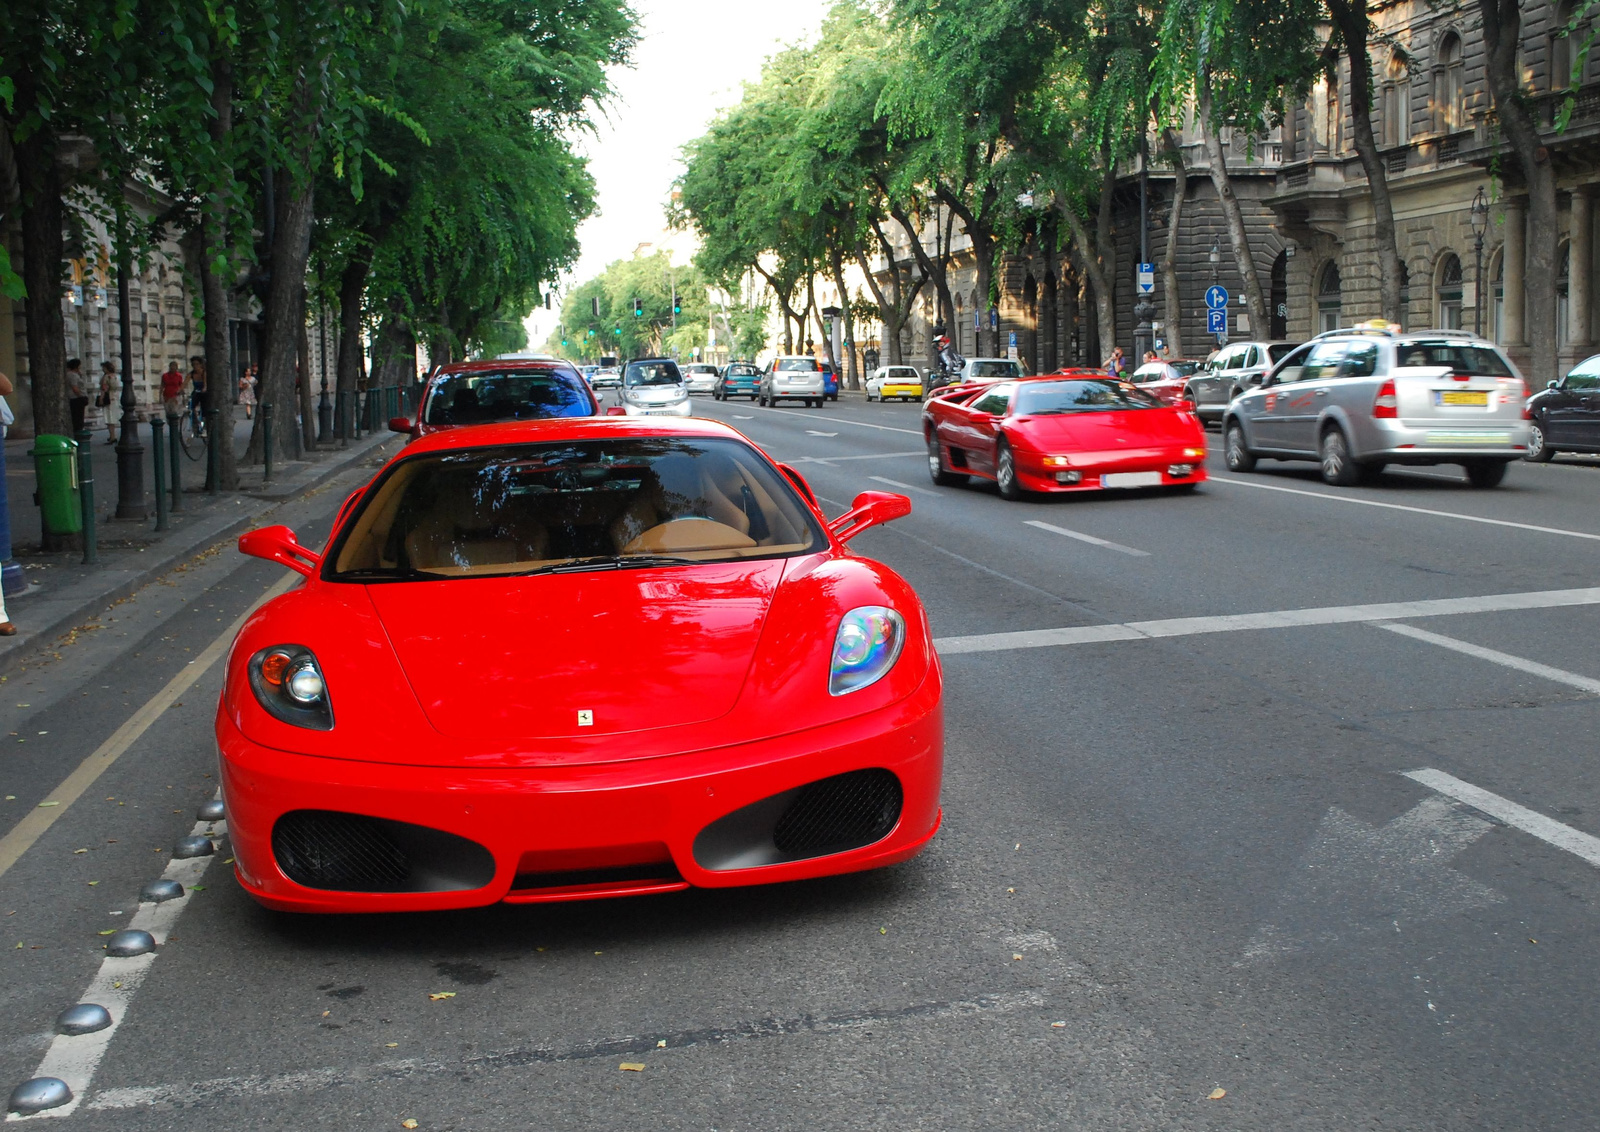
pixel 1080 432
pixel 577 658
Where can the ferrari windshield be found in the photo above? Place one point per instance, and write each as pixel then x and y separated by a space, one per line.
pixel 1041 398
pixel 480 397
pixel 572 505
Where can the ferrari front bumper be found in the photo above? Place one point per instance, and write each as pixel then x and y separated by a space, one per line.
pixel 578 832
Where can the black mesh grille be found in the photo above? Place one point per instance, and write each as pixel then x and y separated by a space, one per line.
pixel 839 813
pixel 348 852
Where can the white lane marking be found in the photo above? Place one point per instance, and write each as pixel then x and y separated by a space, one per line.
pixel 1278 619
pixel 1329 497
pixel 831 460
pixel 739 418
pixel 74 1059
pixel 268 1084
pixel 840 420
pixel 903 486
pixel 1493 656
pixel 1548 830
pixel 1090 539
pixel 814 432
pixel 22 836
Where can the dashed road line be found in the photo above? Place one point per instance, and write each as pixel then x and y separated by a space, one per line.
pixel 22 836
pixel 904 486
pixel 831 460
pixel 1548 830
pixel 1275 619
pixel 1494 656
pixel 1090 539
pixel 1331 498
pixel 74 1058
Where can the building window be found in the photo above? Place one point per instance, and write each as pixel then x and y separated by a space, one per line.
pixel 1450 291
pixel 1563 307
pixel 1329 299
pixel 1561 48
pixel 1498 303
pixel 1397 103
pixel 1448 85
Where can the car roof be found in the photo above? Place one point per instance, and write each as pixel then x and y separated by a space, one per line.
pixel 502 365
pixel 568 428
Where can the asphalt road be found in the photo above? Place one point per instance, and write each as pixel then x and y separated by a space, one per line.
pixel 1181 853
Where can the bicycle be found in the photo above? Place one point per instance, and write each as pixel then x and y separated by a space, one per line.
pixel 192 443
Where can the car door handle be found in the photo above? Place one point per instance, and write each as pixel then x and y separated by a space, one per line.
pixel 1322 393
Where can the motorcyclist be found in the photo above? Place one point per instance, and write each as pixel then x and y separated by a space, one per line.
pixel 950 360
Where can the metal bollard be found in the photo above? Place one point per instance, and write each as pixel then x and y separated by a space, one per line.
pixel 266 441
pixel 214 452
pixel 91 541
pixel 175 455
pixel 158 450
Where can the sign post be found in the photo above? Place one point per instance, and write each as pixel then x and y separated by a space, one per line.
pixel 1217 312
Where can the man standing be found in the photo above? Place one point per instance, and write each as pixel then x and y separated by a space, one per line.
pixel 77 394
pixel 172 394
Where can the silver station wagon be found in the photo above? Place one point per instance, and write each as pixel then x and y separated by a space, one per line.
pixel 1355 400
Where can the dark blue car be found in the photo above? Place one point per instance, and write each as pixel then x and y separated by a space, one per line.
pixel 830 382
pixel 737 379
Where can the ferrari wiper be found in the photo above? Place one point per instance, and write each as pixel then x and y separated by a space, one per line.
pixel 383 574
pixel 611 562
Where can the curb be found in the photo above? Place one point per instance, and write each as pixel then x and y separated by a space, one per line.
pixel 53 614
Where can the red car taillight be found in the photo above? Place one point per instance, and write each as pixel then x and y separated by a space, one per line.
pixel 1386 405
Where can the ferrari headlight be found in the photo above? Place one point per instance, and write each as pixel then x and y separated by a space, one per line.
pixel 866 646
pixel 288 683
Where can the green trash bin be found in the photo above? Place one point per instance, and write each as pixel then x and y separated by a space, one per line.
pixel 55 462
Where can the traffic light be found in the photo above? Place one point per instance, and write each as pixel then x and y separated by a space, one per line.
pixel 618 332
pixel 594 306
pixel 677 304
pixel 547 300
pixel 638 308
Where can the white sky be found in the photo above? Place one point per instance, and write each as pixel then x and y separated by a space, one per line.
pixel 692 60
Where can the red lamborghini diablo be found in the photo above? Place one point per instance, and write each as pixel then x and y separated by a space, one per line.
pixel 572 659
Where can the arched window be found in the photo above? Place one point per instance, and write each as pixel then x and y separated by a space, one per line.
pixel 1450 291
pixel 1563 282
pixel 1396 102
pixel 1561 53
pixel 1330 299
pixel 1449 85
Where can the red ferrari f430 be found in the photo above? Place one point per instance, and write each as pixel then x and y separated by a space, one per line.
pixel 1077 432
pixel 577 658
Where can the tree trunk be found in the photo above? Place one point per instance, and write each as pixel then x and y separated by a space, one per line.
pixel 308 410
pixel 1502 31
pixel 1105 245
pixel 981 233
pixel 1351 18
pixel 394 354
pixel 291 246
pixel 932 270
pixel 1238 238
pixel 351 365
pixel 848 376
pixel 1105 313
pixel 42 255
pixel 221 379
pixel 1172 298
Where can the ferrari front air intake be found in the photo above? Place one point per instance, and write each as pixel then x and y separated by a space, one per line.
pixel 843 812
pixel 341 852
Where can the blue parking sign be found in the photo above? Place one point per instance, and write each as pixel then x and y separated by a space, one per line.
pixel 1216 322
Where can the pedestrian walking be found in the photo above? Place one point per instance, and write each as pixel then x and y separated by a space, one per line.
pixel 197 395
pixel 109 388
pixel 247 392
pixel 7 629
pixel 172 394
pixel 77 394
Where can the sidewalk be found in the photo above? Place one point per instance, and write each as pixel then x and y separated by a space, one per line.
pixel 63 592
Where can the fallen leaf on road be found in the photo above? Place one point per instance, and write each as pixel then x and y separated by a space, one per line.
pixel 229 861
pixel 632 1066
pixel 47 805
pixel 391 1045
pixel 662 1044
pixel 19 945
pixel 1058 1025
pixel 117 985
pixel 108 931
pixel 883 931
pixel 92 883
pixel 437 995
pixel 1216 1094
pixel 1016 955
pixel 325 1013
pixel 1532 940
pixel 75 852
pixel 408 1122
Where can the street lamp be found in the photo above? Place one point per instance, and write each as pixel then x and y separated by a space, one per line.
pixel 1478 217
pixel 1216 278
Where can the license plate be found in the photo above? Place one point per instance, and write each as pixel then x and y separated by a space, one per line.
pixel 1463 397
pixel 1131 479
pixel 1460 439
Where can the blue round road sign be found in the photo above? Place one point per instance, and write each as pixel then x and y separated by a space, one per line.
pixel 1216 297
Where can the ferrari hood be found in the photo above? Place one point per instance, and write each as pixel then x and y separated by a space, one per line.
pixel 566 655
pixel 1102 431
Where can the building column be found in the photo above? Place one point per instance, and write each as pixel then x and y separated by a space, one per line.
pixel 1514 260
pixel 1580 267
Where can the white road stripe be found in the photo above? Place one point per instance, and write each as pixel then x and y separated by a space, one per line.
pixel 903 486
pixel 1331 498
pixel 1090 539
pixel 1548 830
pixel 74 1059
pixel 1279 619
pixel 1493 656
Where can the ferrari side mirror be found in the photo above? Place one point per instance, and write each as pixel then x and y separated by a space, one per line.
pixel 278 544
pixel 400 424
pixel 869 509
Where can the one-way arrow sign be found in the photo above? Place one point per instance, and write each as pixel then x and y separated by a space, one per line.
pixel 1356 878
